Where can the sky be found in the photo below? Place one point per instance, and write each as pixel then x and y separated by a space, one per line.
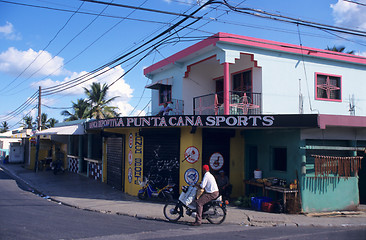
pixel 45 43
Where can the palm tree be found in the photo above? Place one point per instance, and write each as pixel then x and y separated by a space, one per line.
pixel 28 122
pixel 99 108
pixel 43 120
pixel 4 127
pixel 51 122
pixel 339 49
pixel 47 123
pixel 80 108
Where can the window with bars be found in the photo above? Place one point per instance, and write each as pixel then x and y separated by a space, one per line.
pixel 328 87
pixel 279 159
pixel 165 94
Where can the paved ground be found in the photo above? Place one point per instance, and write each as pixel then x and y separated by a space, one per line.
pixel 81 192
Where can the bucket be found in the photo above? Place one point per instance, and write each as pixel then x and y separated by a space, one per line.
pixel 257 174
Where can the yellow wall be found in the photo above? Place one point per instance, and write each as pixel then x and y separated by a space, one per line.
pixel 133 170
pixel 187 140
pixel 237 164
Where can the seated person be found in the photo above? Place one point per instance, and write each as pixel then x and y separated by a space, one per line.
pixel 224 185
pixel 165 110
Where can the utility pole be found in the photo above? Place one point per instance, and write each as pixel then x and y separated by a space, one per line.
pixel 38 128
pixel 39 108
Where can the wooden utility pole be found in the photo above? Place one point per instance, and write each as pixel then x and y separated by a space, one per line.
pixel 39 109
pixel 38 128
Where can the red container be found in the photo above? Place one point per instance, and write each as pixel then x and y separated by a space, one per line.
pixel 267 207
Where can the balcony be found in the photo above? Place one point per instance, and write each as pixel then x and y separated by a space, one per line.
pixel 177 107
pixel 240 103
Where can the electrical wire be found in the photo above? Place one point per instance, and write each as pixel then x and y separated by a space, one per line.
pixel 22 119
pixel 283 18
pixel 113 63
pixel 67 44
pixel 92 43
pixel 354 2
pixel 39 54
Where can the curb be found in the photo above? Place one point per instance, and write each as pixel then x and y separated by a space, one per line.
pixel 251 221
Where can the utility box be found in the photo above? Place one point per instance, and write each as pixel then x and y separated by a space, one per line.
pixel 16 153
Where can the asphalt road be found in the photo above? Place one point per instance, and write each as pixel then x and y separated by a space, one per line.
pixel 25 215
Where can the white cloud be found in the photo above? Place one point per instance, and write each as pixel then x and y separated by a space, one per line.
pixel 120 89
pixel 7 31
pixel 363 54
pixel 14 62
pixel 349 14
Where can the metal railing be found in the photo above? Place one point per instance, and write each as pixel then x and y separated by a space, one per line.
pixel 176 105
pixel 240 103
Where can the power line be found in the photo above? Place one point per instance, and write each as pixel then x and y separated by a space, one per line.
pixel 56 107
pixel 115 62
pixel 141 8
pixel 283 18
pixel 80 12
pixel 354 2
pixel 49 43
pixel 67 44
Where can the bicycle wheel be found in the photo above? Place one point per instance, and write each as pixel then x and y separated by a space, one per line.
pixel 173 211
pixel 142 195
pixel 216 214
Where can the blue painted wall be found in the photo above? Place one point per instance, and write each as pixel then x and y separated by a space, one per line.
pixel 266 140
pixel 317 194
pixel 329 194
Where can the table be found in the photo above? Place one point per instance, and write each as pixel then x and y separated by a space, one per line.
pixel 279 189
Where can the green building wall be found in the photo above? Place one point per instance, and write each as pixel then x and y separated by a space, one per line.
pixel 317 195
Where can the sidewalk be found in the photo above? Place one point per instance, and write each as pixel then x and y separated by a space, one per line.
pixel 84 193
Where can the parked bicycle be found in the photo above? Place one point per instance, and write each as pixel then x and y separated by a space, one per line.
pixel 149 191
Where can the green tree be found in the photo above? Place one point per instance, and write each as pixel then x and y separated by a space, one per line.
pixel 339 49
pixel 4 127
pixel 99 104
pixel 47 122
pixel 28 122
pixel 80 111
pixel 51 122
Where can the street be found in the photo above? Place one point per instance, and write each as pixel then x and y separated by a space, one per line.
pixel 25 215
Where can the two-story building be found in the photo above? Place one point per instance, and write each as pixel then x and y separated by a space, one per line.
pixel 240 104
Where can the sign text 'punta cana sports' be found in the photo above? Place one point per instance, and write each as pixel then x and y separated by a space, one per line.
pixel 182 121
pixel 203 121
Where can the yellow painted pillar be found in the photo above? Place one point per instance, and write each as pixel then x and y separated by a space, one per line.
pixel 190 156
pixel 134 161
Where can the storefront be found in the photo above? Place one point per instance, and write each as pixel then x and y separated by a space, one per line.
pixel 172 149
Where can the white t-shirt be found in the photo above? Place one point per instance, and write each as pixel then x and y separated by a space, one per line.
pixel 209 183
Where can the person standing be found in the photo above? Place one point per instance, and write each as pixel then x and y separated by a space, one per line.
pixel 211 192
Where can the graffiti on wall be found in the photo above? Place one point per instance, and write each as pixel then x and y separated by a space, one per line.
pixel 160 169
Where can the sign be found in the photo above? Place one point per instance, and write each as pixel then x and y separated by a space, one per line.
pixel 130 157
pixel 243 121
pixel 191 176
pixel 191 154
pixel 216 161
pixel 130 175
pixel 130 140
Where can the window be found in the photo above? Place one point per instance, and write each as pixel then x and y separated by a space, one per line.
pixel 242 81
pixel 279 157
pixel 328 87
pixel 220 90
pixel 165 94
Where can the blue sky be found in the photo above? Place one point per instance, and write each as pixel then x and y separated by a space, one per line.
pixel 74 44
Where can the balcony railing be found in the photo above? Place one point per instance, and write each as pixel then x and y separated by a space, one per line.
pixel 177 108
pixel 240 103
